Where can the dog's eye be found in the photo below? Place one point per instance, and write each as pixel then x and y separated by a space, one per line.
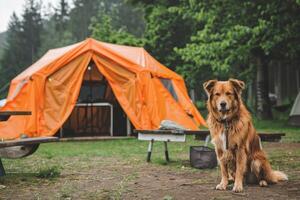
pixel 228 93
pixel 217 94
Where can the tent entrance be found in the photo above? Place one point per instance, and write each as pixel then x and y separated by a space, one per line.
pixel 97 111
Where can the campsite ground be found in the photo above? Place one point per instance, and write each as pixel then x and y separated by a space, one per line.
pixel 117 170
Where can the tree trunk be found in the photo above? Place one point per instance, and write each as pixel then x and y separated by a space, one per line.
pixel 262 90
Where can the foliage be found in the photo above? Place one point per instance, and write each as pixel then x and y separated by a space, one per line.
pixel 2 43
pixel 234 33
pixel 122 15
pixel 118 23
pixel 56 33
pixel 167 28
pixel 222 39
pixel 49 172
pixel 12 42
pixel 200 39
pixel 103 30
pixel 80 18
pixel 23 41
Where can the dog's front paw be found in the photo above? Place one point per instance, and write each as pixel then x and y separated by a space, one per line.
pixel 221 186
pixel 237 188
pixel 263 183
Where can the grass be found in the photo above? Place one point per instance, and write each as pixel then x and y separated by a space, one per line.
pixel 279 126
pixel 54 160
pixel 49 172
pixel 116 194
pixel 122 149
pixel 51 155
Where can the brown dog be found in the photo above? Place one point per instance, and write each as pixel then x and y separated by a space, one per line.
pixel 236 142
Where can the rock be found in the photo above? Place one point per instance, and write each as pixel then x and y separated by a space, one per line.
pixel 2 187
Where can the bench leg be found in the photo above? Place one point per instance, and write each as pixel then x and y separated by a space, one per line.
pixel 150 146
pixel 207 140
pixel 2 170
pixel 260 145
pixel 166 152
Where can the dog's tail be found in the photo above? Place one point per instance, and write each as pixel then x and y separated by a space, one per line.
pixel 274 176
pixel 261 165
pixel 263 170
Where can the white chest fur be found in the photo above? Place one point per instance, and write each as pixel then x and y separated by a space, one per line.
pixel 220 141
pixel 223 140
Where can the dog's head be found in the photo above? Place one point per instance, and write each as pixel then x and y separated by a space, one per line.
pixel 224 97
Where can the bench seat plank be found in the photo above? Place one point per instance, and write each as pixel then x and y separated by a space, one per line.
pixel 201 134
pixel 179 132
pixel 27 141
pixel 9 113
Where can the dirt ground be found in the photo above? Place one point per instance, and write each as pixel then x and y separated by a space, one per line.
pixel 110 178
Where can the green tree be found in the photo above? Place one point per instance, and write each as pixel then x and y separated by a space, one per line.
pixel 241 38
pixel 167 27
pixel 31 31
pixel 23 42
pixel 56 32
pixel 80 17
pixel 127 17
pixel 103 30
pixel 117 22
pixel 12 55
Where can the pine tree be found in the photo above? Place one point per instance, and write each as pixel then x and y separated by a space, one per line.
pixel 11 61
pixel 23 42
pixel 81 16
pixel 61 17
pixel 56 32
pixel 31 31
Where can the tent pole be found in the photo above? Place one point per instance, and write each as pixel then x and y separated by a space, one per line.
pixel 91 90
pixel 128 127
pixel 111 120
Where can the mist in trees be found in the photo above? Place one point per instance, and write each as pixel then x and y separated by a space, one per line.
pixel 198 39
pixel 43 27
pixel 23 42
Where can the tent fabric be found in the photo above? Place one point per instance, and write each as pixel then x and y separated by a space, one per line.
pixel 294 118
pixel 50 88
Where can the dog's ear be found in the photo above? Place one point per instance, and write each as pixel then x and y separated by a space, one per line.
pixel 238 85
pixel 208 86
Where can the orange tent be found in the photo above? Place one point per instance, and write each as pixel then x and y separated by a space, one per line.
pixel 50 88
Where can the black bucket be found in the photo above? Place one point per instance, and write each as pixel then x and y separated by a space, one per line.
pixel 202 157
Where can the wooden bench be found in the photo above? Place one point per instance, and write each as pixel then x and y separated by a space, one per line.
pixel 26 147
pixel 5 115
pixel 264 136
pixel 164 136
pixel 180 135
pixel 20 147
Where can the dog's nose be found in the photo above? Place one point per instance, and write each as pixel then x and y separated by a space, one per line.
pixel 223 104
